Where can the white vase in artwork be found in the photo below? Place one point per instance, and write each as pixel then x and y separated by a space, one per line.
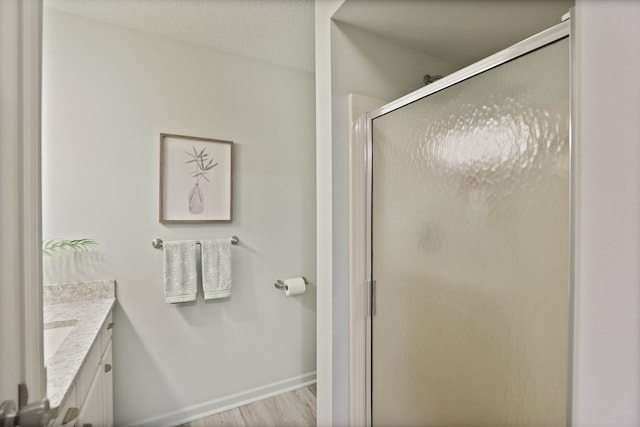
pixel 196 200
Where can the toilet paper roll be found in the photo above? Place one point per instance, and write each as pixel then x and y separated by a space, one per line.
pixel 294 286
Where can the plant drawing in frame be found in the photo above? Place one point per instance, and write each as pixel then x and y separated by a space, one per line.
pixel 196 196
pixel 195 179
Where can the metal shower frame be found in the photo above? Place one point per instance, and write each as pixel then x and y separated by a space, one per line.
pixel 524 47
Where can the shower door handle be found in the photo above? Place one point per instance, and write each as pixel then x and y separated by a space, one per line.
pixel 371 298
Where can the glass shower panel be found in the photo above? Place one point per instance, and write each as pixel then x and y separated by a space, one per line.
pixel 471 250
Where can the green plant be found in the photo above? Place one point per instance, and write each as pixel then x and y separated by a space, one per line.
pixel 52 246
pixel 202 168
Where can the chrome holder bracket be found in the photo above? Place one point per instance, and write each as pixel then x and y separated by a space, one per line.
pixel 279 284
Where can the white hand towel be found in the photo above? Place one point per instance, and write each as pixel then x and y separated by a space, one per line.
pixel 216 268
pixel 180 271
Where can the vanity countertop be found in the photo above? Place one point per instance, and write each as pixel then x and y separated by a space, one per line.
pixel 87 311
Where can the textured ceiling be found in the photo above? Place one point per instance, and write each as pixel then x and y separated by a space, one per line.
pixel 282 31
pixel 279 31
pixel 458 31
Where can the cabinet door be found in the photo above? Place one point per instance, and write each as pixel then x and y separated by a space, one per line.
pixel 68 411
pixel 107 386
pixel 91 411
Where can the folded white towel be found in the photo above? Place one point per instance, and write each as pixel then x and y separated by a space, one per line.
pixel 216 268
pixel 180 271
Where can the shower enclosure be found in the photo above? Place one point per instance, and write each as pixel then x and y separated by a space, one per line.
pixel 469 245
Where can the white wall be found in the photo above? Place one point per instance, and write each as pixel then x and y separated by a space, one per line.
pixel 108 93
pixel 323 10
pixel 607 319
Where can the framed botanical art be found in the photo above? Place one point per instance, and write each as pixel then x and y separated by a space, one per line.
pixel 195 179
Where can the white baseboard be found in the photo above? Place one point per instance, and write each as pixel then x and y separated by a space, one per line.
pixel 201 410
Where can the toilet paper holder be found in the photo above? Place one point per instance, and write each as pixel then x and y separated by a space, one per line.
pixel 280 283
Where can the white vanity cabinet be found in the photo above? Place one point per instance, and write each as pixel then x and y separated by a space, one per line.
pixel 90 401
pixel 107 386
pixel 91 411
pixel 68 412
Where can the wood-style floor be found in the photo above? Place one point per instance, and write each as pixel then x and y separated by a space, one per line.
pixel 296 409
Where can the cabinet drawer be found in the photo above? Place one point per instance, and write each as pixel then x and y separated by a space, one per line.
pixel 88 371
pixel 107 331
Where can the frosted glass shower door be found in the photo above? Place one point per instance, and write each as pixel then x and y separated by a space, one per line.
pixel 470 246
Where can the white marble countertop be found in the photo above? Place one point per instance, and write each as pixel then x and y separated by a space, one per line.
pixel 87 317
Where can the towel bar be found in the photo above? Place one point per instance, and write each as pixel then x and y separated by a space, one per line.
pixel 158 243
